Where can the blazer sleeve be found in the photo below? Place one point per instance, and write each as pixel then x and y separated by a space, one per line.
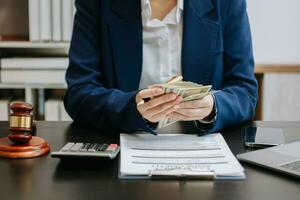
pixel 87 100
pixel 236 101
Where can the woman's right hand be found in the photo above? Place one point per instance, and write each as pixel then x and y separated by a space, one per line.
pixel 158 106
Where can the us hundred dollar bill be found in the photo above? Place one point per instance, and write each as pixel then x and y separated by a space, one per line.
pixel 188 90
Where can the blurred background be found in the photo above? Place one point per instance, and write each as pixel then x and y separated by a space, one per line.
pixel 35 36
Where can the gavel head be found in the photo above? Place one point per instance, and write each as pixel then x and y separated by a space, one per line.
pixel 21 122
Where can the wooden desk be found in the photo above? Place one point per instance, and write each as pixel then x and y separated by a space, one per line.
pixel 48 178
pixel 261 70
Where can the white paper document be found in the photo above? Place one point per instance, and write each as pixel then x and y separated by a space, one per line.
pixel 182 155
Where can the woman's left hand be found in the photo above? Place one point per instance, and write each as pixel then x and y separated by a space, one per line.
pixel 199 109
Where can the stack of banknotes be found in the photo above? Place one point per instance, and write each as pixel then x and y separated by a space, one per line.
pixel 188 90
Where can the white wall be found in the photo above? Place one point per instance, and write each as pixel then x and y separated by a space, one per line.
pixel 276 30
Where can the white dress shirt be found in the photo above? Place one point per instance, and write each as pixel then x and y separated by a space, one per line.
pixel 162 44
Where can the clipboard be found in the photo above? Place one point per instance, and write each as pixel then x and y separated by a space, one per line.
pixel 177 156
pixel 204 176
pixel 176 174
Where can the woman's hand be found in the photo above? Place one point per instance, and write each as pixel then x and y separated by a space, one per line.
pixel 200 109
pixel 159 104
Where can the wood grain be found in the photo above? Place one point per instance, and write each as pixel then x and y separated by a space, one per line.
pixel 277 68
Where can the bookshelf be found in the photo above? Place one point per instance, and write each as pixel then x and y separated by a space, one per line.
pixel 34 93
pixel 34 45
pixel 19 21
pixel 32 86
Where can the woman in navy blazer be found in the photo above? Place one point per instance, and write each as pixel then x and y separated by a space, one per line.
pixel 106 57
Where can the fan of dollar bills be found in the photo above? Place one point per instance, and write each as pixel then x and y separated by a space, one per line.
pixel 188 90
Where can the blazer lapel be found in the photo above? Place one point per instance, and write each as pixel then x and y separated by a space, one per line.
pixel 200 34
pixel 126 36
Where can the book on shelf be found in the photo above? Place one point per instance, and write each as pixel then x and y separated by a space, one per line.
pixel 4 109
pixel 67 19
pixel 34 20
pixel 52 107
pixel 56 20
pixel 55 111
pixel 64 116
pixel 34 63
pixel 45 20
pixel 33 76
pixel 51 20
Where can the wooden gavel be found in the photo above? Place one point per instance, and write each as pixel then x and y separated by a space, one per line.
pixel 21 122
pixel 22 141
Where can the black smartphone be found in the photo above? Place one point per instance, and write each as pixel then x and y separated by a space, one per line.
pixel 261 137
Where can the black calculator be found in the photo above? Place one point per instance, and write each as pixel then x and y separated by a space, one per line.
pixel 78 149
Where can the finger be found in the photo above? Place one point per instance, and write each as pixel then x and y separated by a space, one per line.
pixel 192 112
pixel 148 93
pixel 199 103
pixel 162 107
pixel 159 116
pixel 158 101
pixel 191 104
pixel 182 117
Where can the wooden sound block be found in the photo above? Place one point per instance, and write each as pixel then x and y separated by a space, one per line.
pixel 34 148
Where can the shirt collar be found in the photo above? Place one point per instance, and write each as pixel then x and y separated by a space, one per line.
pixel 147 12
pixel 180 6
pixel 147 3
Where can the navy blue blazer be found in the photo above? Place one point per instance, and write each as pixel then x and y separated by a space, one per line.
pixel 106 61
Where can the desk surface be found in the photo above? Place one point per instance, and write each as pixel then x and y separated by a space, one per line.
pixel 48 178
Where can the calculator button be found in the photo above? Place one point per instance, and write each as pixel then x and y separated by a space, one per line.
pixel 87 145
pixel 104 147
pixel 93 147
pixel 68 146
pixel 112 147
pixel 76 147
pixel 83 148
pixel 99 147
